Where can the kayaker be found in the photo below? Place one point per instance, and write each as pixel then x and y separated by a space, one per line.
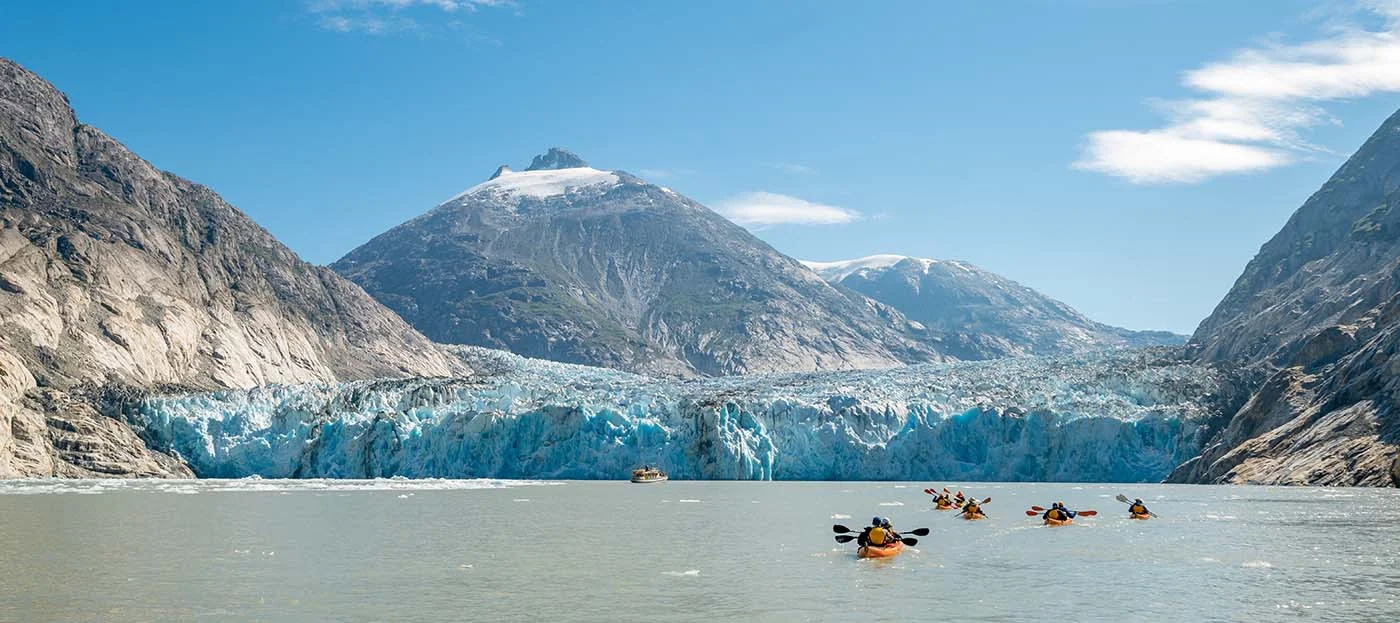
pixel 889 531
pixel 1058 512
pixel 943 501
pixel 1138 508
pixel 973 510
pixel 877 534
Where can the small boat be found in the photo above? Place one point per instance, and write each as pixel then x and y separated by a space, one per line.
pixel 648 474
pixel 887 551
pixel 974 517
pixel 1137 516
pixel 1058 522
pixel 945 507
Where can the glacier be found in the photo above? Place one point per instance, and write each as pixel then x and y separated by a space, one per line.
pixel 1119 416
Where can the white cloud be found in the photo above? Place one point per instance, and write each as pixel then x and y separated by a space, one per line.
pixel 762 209
pixel 1257 105
pixel 378 17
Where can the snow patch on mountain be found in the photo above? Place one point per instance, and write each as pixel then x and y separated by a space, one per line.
pixel 541 184
pixel 836 271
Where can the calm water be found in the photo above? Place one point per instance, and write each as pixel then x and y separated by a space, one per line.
pixel 683 551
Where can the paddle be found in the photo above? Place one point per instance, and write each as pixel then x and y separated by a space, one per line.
pixel 840 529
pixel 847 538
pixel 1124 499
pixel 1036 510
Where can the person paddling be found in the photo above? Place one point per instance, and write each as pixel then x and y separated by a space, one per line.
pixel 1138 508
pixel 1058 512
pixel 877 534
pixel 973 510
pixel 943 501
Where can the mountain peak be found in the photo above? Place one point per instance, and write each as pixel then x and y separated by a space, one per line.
pixel 556 158
pixel 501 170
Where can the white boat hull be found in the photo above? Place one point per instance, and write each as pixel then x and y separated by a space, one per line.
pixel 650 480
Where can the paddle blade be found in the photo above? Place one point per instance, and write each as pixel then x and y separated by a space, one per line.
pixel 930 492
pixel 919 532
pixel 1031 513
pixel 987 500
pixel 839 529
pixel 1122 498
pixel 1037 509
pixel 845 538
pixel 910 541
pixel 1088 513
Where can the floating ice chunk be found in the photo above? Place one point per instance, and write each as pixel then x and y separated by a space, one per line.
pixel 682 573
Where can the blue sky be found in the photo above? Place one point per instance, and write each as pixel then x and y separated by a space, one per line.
pixel 1127 157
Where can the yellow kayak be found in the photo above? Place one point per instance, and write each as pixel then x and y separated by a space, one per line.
pixel 974 517
pixel 1058 522
pixel 945 507
pixel 1137 516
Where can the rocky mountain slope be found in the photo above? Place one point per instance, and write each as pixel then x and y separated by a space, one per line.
pixel 1314 325
pixel 570 263
pixel 114 274
pixel 981 315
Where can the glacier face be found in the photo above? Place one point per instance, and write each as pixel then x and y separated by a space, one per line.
pixel 1123 416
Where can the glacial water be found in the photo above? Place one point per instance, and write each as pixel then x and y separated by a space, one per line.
pixel 392 550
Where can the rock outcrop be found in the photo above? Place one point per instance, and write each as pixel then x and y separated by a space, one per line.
pixel 113 273
pixel 1314 325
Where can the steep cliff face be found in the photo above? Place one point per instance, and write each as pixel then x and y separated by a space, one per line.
pixel 1314 322
pixel 115 273
pixel 981 314
pixel 570 263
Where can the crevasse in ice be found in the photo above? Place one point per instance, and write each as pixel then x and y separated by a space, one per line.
pixel 1125 416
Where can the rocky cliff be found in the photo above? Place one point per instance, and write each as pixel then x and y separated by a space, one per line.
pixel 575 264
pixel 981 314
pixel 114 274
pixel 1313 324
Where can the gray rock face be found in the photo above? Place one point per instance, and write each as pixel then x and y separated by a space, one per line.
pixel 1314 324
pixel 981 314
pixel 115 273
pixel 598 267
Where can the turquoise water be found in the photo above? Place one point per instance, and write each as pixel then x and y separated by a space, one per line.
pixel 683 551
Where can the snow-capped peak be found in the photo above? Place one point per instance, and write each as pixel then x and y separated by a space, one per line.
pixel 840 269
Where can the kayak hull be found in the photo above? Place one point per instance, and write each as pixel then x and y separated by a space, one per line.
pixel 945 508
pixel 1137 516
pixel 888 551
pixel 1058 522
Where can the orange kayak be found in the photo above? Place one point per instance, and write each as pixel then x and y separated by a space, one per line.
pixel 1058 522
pixel 880 552
pixel 974 517
pixel 945 507
pixel 1137 516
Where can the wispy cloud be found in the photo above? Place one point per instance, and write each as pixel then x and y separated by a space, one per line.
pixel 1256 105
pixel 789 167
pixel 762 209
pixel 381 17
